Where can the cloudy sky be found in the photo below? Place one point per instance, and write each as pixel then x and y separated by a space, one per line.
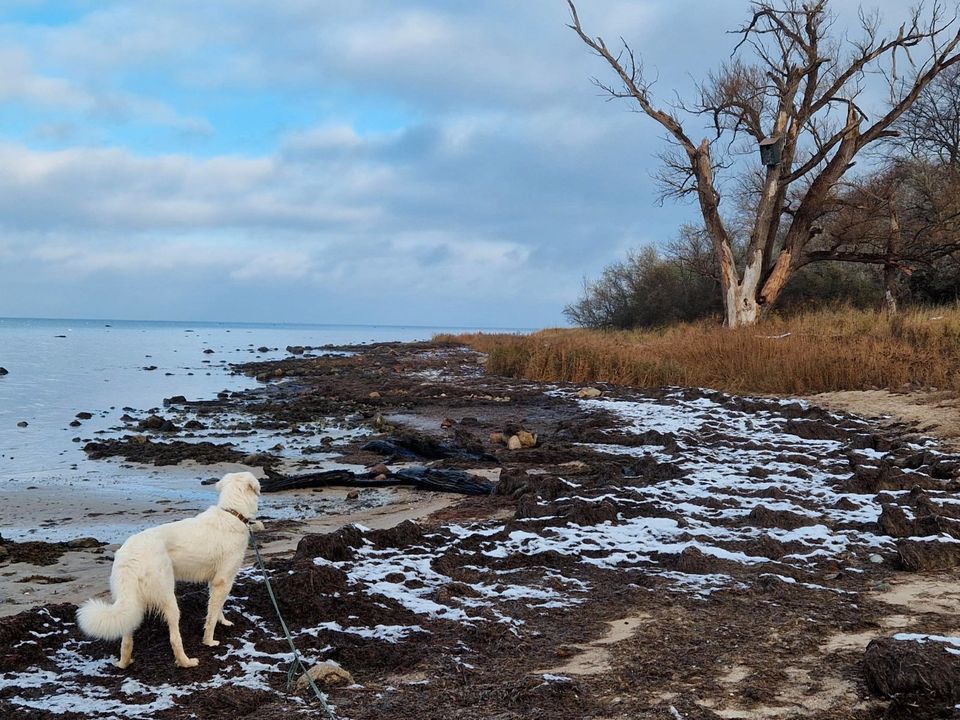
pixel 344 161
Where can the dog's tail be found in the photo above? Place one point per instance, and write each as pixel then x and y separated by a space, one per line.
pixel 111 621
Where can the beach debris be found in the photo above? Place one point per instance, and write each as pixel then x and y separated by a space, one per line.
pixel 436 479
pixel 589 392
pixel 920 672
pixel 4 371
pixel 413 445
pixel 937 553
pixel 326 673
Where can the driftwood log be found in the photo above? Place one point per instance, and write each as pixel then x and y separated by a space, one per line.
pixel 437 480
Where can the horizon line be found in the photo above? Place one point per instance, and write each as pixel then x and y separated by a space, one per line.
pixel 271 322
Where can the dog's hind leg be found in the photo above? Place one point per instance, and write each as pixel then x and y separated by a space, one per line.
pixel 171 613
pixel 126 652
pixel 219 589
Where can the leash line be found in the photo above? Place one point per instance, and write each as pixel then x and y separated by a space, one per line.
pixel 297 662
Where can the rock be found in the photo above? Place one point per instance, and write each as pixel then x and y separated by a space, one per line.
pixel 876 559
pixel 75 423
pixel 84 415
pixel 263 349
pixel 589 392
pixel 22 423
pixel 4 371
pixel 514 443
pixel 175 400
pixel 150 367
pixel 380 469
pixel 374 395
pixel 295 349
pixel 527 439
pixel 82 543
pixel 208 351
pixel 353 495
pixel 448 423
pixel 153 422
pixel 326 674
pixel 497 438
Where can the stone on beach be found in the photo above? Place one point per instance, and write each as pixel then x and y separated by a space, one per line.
pixel 326 674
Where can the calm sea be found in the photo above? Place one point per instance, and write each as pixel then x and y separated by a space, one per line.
pixel 58 368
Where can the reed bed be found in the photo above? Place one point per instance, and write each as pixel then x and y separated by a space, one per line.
pixel 839 349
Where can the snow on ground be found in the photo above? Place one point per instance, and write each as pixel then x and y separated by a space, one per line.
pixel 735 478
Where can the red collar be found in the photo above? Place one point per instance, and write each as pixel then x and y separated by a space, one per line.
pixel 237 515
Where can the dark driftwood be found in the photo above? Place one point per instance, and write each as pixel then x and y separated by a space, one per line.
pixel 411 445
pixel 438 480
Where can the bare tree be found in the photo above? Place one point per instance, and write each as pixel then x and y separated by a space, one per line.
pixel 930 128
pixel 904 217
pixel 792 87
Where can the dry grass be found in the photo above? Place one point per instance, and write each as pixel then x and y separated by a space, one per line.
pixel 840 349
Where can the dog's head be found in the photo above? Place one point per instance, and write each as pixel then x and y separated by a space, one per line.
pixel 239 491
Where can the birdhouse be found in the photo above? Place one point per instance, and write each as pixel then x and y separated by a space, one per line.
pixel 771 149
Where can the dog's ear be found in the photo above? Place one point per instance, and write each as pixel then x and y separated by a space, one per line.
pixel 252 483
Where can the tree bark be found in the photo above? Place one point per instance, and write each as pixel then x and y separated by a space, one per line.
pixel 890 269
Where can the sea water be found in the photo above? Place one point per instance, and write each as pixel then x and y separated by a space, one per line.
pixel 58 368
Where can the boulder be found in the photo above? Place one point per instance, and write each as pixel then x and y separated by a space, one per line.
pixel 514 443
pixel 325 674
pixel 589 392
pixel 527 439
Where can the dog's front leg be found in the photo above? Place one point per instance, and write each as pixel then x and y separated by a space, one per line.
pixel 219 589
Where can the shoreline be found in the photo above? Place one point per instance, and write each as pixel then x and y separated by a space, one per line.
pixel 634 516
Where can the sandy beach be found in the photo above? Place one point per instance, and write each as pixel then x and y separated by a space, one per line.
pixel 642 554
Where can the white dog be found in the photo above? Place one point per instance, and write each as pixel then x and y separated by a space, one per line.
pixel 207 548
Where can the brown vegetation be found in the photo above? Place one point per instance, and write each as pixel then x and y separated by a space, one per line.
pixel 839 349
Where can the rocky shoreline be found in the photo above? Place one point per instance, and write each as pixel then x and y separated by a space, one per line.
pixel 650 554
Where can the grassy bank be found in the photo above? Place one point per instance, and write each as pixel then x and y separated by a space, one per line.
pixel 817 352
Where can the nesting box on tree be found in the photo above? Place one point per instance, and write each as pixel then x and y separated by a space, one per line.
pixel 771 149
